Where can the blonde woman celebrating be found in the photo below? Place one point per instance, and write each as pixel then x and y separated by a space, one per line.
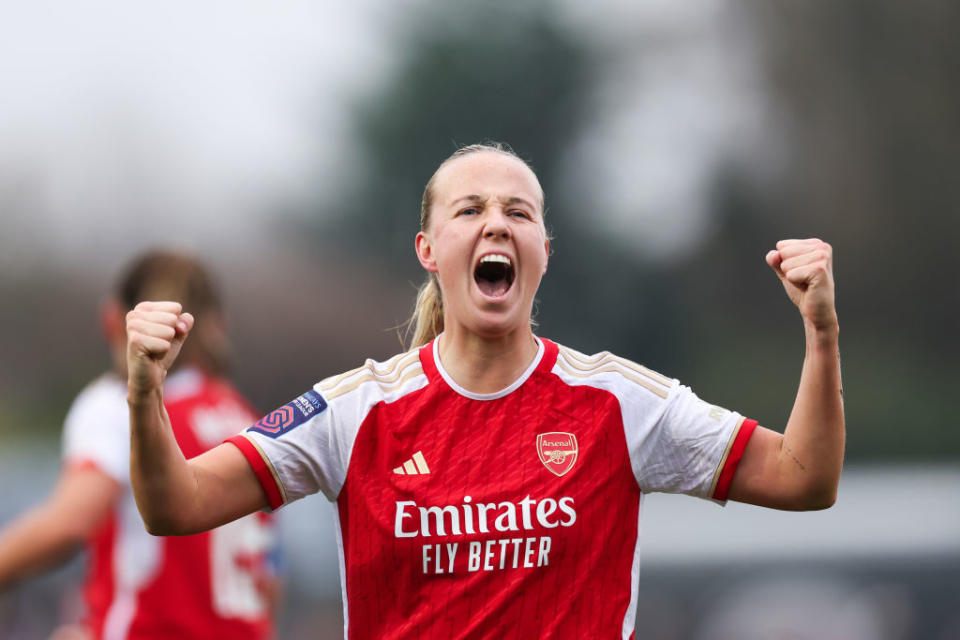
pixel 488 482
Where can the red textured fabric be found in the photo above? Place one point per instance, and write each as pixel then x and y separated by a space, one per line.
pixel 98 588
pixel 177 600
pixel 569 581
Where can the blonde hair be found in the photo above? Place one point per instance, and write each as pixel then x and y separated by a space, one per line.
pixel 426 322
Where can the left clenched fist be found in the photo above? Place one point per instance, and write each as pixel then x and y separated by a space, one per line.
pixel 805 267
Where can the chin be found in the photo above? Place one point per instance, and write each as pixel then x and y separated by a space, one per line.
pixel 492 326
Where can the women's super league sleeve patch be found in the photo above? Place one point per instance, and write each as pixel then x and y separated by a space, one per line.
pixel 291 415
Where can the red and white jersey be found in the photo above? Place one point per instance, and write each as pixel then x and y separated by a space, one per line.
pixel 144 587
pixel 507 515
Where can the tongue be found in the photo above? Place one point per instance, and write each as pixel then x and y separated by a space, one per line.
pixel 493 288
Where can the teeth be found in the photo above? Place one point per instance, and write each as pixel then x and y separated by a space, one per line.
pixel 496 257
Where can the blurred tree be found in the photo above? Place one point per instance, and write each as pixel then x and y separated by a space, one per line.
pixel 871 111
pixel 874 111
pixel 470 73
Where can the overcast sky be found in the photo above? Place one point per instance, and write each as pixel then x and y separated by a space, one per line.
pixel 124 125
pixel 183 120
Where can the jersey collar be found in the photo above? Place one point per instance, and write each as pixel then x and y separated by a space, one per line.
pixel 543 361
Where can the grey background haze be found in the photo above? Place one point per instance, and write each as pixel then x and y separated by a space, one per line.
pixel 676 143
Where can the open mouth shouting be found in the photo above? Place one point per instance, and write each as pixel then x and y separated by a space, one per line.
pixel 494 274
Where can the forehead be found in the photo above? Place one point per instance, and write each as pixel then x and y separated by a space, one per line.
pixel 489 174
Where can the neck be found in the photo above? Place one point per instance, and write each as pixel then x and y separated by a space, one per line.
pixel 486 365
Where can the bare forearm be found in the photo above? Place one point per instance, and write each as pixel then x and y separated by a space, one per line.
pixel 162 480
pixel 52 531
pixel 800 468
pixel 176 497
pixel 814 439
pixel 33 543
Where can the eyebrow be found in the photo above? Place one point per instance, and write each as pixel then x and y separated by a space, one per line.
pixel 482 199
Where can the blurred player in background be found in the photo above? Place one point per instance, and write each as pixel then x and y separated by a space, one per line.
pixel 217 584
pixel 488 482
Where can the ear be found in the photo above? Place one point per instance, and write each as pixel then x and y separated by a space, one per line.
pixel 425 253
pixel 546 254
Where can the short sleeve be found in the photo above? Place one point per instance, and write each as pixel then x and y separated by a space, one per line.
pixel 297 450
pixel 304 447
pixel 690 446
pixel 97 429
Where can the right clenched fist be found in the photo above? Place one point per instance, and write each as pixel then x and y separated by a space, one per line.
pixel 155 333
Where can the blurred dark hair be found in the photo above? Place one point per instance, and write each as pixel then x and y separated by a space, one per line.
pixel 169 275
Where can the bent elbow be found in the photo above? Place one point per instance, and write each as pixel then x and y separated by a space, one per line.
pixel 818 498
pixel 167 528
pixel 806 496
pixel 67 538
pixel 165 524
pixel 77 534
pixel 821 503
pixel 161 517
pixel 829 497
pixel 158 526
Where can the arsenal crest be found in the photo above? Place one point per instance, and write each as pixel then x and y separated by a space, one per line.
pixel 557 451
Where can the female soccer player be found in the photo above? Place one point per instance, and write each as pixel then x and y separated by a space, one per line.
pixel 488 482
pixel 217 584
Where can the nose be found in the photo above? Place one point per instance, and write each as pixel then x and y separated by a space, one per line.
pixel 496 224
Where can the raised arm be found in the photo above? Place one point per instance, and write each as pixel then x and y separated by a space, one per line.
pixel 176 496
pixel 800 469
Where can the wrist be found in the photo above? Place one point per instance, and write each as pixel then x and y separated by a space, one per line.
pixel 141 398
pixel 822 337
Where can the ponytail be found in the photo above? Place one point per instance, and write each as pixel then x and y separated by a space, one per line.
pixel 427 319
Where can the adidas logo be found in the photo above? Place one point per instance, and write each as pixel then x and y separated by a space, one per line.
pixel 414 466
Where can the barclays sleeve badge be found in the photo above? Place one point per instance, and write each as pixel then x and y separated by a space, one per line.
pixel 291 415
